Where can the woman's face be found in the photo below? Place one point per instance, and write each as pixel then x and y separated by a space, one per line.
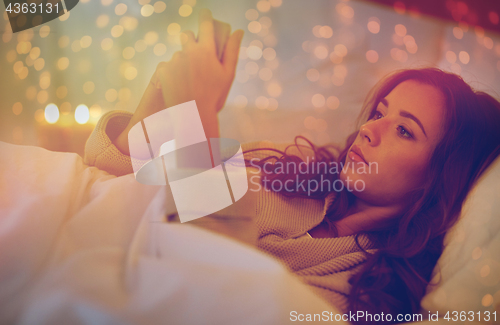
pixel 391 153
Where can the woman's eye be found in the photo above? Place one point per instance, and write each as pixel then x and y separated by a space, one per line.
pixel 377 115
pixel 403 133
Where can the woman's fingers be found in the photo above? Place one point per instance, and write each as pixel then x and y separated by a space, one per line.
pixel 231 51
pixel 206 29
pixel 187 39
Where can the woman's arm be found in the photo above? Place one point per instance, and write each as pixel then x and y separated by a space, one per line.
pixel 194 73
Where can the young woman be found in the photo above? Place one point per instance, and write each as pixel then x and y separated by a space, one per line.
pixel 372 249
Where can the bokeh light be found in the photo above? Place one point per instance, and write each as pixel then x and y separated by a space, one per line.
pixel 51 113
pixel 82 114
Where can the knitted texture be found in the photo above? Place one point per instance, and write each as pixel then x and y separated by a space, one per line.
pixel 326 264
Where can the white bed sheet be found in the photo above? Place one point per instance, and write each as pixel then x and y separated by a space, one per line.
pixel 80 246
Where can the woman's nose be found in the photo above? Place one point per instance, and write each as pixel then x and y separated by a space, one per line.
pixel 369 135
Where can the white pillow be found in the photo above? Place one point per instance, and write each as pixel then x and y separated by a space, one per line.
pixel 468 272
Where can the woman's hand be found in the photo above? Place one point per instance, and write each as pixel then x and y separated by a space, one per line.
pixel 194 73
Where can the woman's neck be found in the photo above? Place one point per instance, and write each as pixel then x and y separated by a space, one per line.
pixel 362 216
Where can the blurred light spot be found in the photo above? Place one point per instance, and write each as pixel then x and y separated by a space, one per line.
pixel 51 113
pixel 75 46
pixel 35 53
pixel 24 73
pixel 487 300
pixel 254 52
pixel 451 57
pixel 458 32
pixel 274 89
pixel 340 50
pixel 316 31
pixel 262 102
pixel 61 92
pixel 124 94
pixel 266 22
pixel 240 101
pixel 86 41
pixel 17 108
pixel 400 30
pixel 174 29
pixel 147 10
pixel 254 27
pixel 192 3
pixel 95 111
pixel 117 31
pixel 63 63
pixel 150 38
pixel 130 73
pixel 321 52
pixel 102 21
pixel 337 81
pixel 273 104
pixel 88 87
pixel 345 10
pixel 488 43
pixel 111 95
pixel 11 56
pixel 107 44
pixel 39 64
pixel 326 31
pixel 476 253
pixel 65 108
pixel 144 2
pixel 128 23
pixel 251 14
pixel 275 3
pixel 159 7
pixel 263 6
pixel 372 56
pixel 310 122
pixel 106 2
pixel 318 100
pixel 140 46
pixel 18 66
pixel 399 7
pixel 373 26
pixel 269 54
pixel 44 81
pixel 128 53
pixel 185 10
pixel 31 92
pixel 82 114
pixel 39 115
pixel 17 135
pixel 159 49
pixel 44 31
pixel 120 9
pixel 332 102
pixel 312 75
pixel 493 16
pixel 464 57
pixel 485 271
pixel 265 74
pixel 251 68
pixel 398 40
pixel 23 47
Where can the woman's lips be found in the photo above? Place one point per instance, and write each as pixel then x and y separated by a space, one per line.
pixel 355 156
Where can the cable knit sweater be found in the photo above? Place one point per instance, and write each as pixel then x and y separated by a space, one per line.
pixel 326 264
